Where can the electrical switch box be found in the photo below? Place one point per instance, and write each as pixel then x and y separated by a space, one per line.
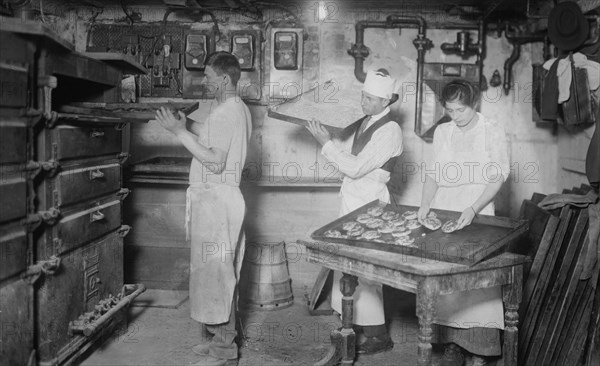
pixel 286 56
pixel 165 65
pixel 131 45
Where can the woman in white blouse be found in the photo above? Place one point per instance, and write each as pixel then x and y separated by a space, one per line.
pixel 471 164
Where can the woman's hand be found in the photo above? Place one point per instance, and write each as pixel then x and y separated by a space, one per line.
pixel 318 131
pixel 171 123
pixel 422 213
pixel 466 218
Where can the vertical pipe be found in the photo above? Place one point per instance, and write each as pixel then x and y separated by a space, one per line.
pixel 508 64
pixel 421 43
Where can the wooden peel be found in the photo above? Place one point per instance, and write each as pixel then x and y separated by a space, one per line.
pixel 273 113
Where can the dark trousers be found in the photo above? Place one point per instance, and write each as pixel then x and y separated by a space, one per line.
pixel 222 345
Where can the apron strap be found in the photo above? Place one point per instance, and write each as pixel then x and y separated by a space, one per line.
pixel 188 214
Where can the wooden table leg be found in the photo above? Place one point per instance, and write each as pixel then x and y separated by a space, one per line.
pixel 511 296
pixel 342 349
pixel 426 299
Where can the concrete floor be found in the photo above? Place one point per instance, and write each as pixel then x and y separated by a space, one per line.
pixel 290 336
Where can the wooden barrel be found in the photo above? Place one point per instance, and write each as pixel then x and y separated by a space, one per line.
pixel 265 282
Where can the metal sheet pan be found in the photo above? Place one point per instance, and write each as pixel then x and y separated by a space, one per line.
pixel 485 236
pixel 129 112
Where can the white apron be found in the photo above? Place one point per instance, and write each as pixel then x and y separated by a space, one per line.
pixel 368 296
pixel 475 308
pixel 214 216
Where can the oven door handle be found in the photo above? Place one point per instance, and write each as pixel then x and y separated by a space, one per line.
pixel 96 216
pixel 96 174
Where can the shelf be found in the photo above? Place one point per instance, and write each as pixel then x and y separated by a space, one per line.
pixel 126 63
pixel 34 29
pixel 175 170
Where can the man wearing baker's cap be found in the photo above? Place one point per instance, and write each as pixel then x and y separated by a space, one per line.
pixel 377 141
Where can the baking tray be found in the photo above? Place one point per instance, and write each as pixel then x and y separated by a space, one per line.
pixel 165 165
pixel 300 121
pixel 132 112
pixel 485 236
pixel 321 102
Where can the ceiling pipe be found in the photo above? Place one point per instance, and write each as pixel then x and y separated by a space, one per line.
pixel 359 51
pixel 516 40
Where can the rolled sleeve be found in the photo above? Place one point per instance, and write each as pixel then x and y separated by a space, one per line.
pixel 385 144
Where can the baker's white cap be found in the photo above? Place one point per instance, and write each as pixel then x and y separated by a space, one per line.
pixel 379 84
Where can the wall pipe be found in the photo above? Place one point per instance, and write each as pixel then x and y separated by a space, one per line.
pixel 516 40
pixel 359 51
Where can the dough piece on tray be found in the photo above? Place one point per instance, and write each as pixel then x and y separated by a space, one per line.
pixel 399 221
pixel 390 215
pixel 413 224
pixel 350 225
pixel 363 218
pixel 386 228
pixel 333 234
pixel 356 232
pixel 449 226
pixel 410 215
pixel 370 235
pixel 400 231
pixel 374 223
pixel 432 223
pixel 375 211
pixel 405 240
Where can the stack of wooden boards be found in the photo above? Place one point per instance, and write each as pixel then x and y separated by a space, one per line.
pixel 559 313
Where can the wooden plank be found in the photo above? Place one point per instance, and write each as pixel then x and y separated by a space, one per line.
pixel 537 197
pixel 562 292
pixel 592 356
pixel 579 301
pixel 321 287
pixel 576 349
pixel 542 227
pixel 301 122
pixel 530 320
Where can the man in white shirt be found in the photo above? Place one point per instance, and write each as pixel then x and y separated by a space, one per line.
pixel 215 207
pixel 377 141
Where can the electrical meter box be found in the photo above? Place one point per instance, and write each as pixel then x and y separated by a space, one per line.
pixel 245 45
pixel 286 56
pixel 196 50
pixel 198 45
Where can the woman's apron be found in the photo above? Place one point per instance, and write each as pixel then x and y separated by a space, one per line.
pixel 368 296
pixel 474 308
pixel 214 216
